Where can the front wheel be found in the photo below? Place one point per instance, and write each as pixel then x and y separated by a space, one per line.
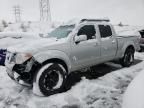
pixel 128 57
pixel 49 79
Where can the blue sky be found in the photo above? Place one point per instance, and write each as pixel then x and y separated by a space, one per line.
pixel 127 11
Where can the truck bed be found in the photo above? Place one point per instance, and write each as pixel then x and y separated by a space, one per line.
pixel 126 39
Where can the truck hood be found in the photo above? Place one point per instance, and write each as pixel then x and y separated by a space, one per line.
pixel 34 46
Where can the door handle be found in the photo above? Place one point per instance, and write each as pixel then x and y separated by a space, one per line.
pixel 113 42
pixel 96 44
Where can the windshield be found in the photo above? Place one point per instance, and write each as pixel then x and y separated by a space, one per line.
pixel 62 31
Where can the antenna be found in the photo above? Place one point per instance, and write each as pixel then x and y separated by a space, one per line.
pixel 45 14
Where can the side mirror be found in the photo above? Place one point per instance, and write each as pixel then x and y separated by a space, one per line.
pixel 80 38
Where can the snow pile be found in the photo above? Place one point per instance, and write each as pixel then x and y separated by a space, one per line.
pixel 103 92
pixel 128 30
pixel 18 35
pixel 34 46
pixel 31 27
pixel 133 97
pixel 13 38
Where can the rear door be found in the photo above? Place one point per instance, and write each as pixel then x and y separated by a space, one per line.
pixel 108 42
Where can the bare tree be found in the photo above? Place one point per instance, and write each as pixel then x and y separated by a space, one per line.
pixel 23 27
pixel 4 23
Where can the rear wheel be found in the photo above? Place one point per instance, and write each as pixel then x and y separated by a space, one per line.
pixel 128 57
pixel 141 49
pixel 50 79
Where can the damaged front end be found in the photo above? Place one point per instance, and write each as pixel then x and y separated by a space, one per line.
pixel 22 73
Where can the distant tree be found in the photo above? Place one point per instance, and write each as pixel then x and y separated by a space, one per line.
pixel 1 30
pixel 10 23
pixel 120 24
pixel 4 23
pixel 29 22
pixel 53 25
pixel 23 27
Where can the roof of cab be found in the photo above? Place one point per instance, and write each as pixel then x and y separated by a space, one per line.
pixel 95 20
pixel 77 21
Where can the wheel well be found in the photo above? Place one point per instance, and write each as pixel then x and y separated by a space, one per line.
pixel 56 60
pixel 131 46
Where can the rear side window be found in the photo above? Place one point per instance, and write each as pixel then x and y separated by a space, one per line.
pixel 105 31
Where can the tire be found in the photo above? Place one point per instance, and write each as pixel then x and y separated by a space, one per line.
pixel 49 80
pixel 141 49
pixel 128 58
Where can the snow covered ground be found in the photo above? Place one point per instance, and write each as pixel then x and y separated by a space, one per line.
pixel 133 97
pixel 87 91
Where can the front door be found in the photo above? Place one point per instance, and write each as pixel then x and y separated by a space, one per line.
pixel 86 52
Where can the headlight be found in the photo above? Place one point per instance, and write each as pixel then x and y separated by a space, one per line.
pixel 21 58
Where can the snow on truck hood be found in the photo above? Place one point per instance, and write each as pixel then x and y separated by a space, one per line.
pixel 8 39
pixel 33 46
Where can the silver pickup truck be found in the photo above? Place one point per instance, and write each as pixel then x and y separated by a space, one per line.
pixel 45 64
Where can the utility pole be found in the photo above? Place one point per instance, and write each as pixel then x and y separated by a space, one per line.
pixel 17 13
pixel 45 14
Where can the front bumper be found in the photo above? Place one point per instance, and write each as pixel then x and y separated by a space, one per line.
pixel 23 73
pixel 16 77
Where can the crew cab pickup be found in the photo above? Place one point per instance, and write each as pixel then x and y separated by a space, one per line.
pixel 46 63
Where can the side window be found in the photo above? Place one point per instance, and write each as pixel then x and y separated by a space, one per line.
pixel 105 31
pixel 88 30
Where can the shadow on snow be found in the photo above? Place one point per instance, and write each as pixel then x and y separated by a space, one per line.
pixel 93 73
